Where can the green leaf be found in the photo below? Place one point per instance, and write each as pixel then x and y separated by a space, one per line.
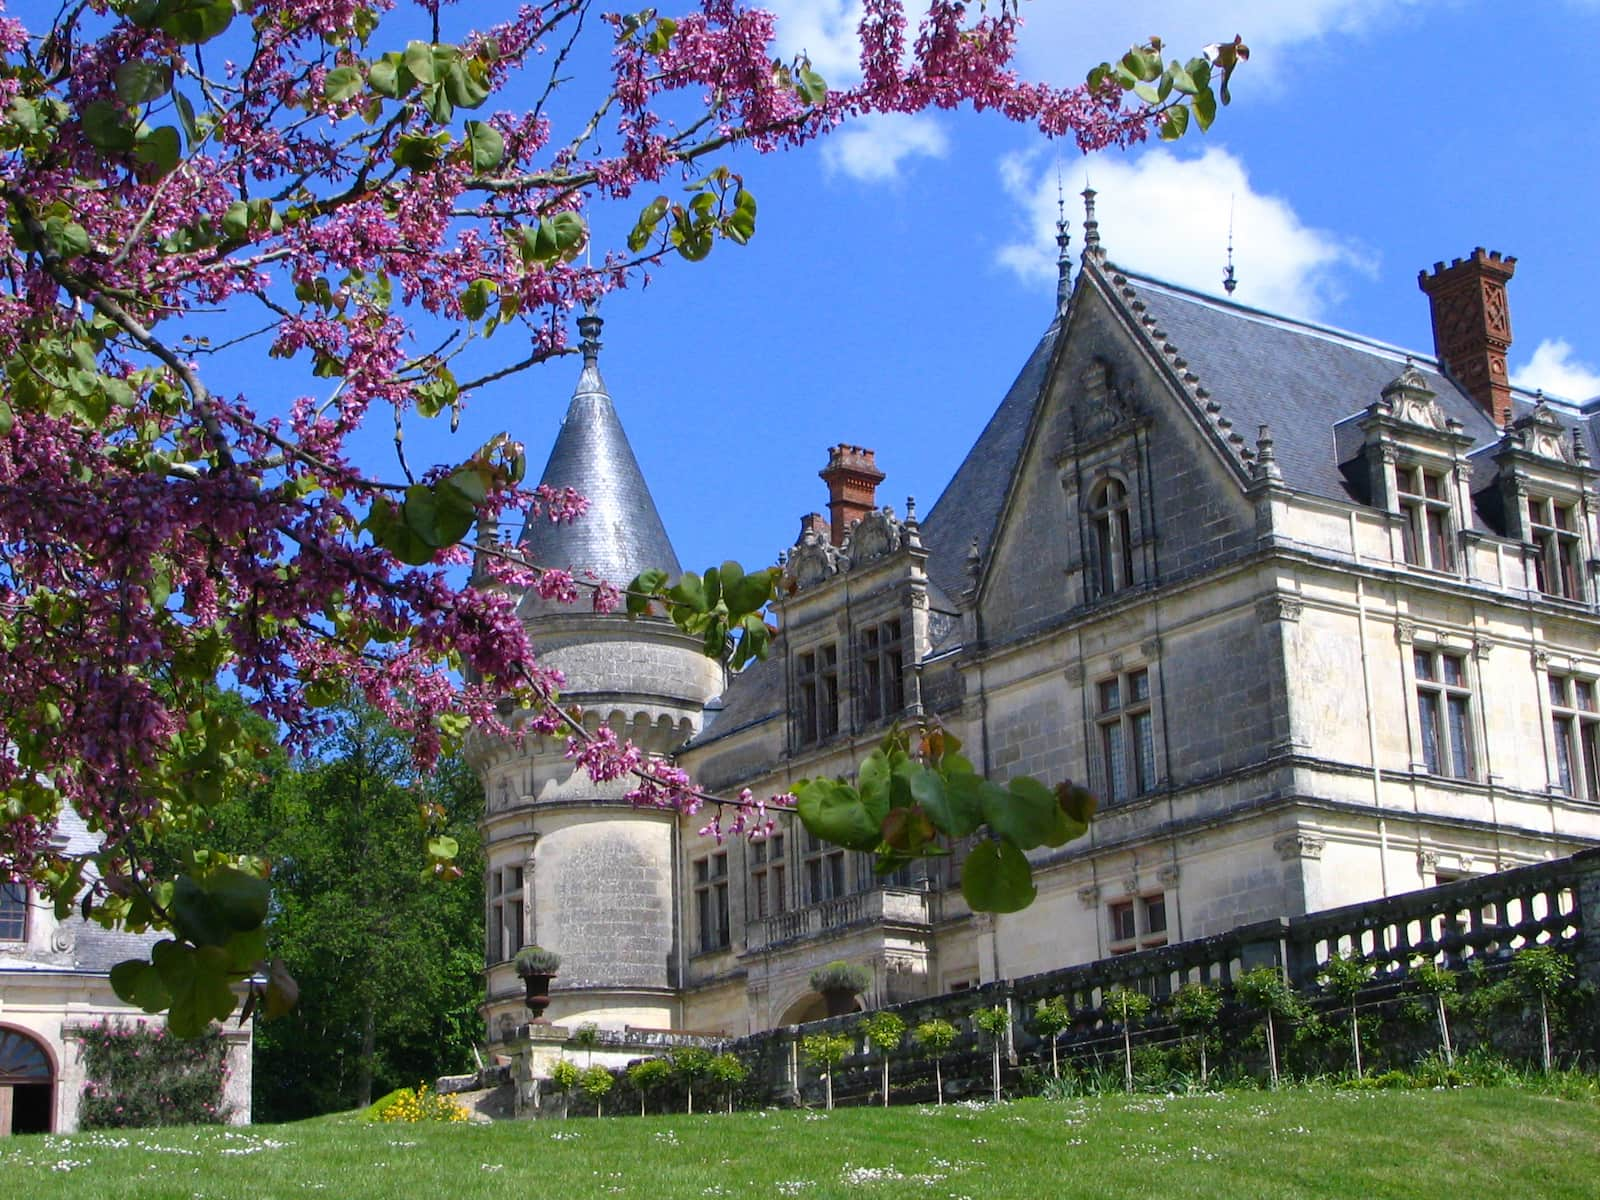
pixel 341 83
pixel 241 898
pixel 1146 93
pixel 1025 812
pixel 138 983
pixel 186 117
pixel 485 146
pixel 420 62
pixel 107 127
pixel 161 149
pixel 388 77
pixel 811 87
pixel 196 915
pixel 1174 123
pixel 689 592
pixel 441 846
pixel 835 813
pixel 140 82
pixel 236 220
pixel 417 151
pixel 996 878
pixel 958 811
pixel 475 300
pixel 194 21
pixel 1205 108
pixel 467 83
pixel 438 103
pixel 1182 80
pixel 434 518
pixel 7 418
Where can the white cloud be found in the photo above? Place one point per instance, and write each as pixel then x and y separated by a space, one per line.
pixel 825 30
pixel 1169 215
pixel 872 148
pixel 1554 369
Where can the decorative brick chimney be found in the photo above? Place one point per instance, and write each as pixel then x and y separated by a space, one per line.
pixel 852 477
pixel 812 523
pixel 1472 326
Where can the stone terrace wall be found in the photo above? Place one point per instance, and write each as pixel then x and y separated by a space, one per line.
pixel 1476 921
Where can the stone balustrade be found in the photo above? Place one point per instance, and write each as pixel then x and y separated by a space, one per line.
pixel 893 906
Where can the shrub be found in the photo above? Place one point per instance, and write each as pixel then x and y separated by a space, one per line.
pixel 691 1064
pixel 825 1051
pixel 935 1037
pixel 596 1083
pixel 993 1021
pixel 536 960
pixel 1050 1019
pixel 648 1075
pixel 1540 972
pixel 727 1069
pixel 412 1106
pixel 1344 976
pixel 564 1077
pixel 1126 1006
pixel 1196 1007
pixel 1430 979
pixel 841 976
pixel 1266 990
pixel 139 1075
pixel 884 1031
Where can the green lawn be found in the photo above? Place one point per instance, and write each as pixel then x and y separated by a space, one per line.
pixel 1471 1144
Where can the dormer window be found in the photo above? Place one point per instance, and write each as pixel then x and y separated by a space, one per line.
pixel 1429 530
pixel 1112 529
pixel 883 687
pixel 1558 550
pixel 817 679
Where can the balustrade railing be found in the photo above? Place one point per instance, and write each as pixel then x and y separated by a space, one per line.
pixel 896 905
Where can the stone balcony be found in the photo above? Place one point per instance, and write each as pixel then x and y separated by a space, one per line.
pixel 902 908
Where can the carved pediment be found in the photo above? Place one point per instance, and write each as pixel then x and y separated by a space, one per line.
pixel 1102 407
pixel 875 535
pixel 814 560
pixel 1408 398
pixel 1540 433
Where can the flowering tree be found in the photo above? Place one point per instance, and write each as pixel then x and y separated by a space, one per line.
pixel 194 187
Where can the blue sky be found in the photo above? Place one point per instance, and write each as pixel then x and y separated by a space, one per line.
pixel 902 272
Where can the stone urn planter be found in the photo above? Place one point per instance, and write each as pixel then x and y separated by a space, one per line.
pixel 537 967
pixel 839 983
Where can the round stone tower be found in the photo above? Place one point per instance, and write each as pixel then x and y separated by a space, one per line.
pixel 572 866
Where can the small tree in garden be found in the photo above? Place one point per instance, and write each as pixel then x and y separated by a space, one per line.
pixel 1051 1019
pixel 587 1036
pixel 728 1070
pixel 648 1075
pixel 564 1077
pixel 884 1032
pixel 596 1083
pixel 1265 990
pixel 994 1022
pixel 1344 976
pixel 1125 1006
pixel 935 1037
pixel 1540 971
pixel 824 1052
pixel 1196 1007
pixel 1430 979
pixel 691 1064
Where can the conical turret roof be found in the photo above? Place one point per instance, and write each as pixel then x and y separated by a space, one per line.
pixel 621 534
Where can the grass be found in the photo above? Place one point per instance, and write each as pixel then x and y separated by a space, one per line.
pixel 1307 1142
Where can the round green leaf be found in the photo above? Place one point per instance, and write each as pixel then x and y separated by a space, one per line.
pixel 996 878
pixel 140 82
pixel 485 145
pixel 107 126
pixel 1024 812
pixel 341 83
pixel 834 812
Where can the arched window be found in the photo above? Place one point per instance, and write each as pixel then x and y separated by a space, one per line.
pixel 1112 529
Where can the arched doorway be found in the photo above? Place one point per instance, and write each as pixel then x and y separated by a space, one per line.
pixel 27 1084
pixel 810 1007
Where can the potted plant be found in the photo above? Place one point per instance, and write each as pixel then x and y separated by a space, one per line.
pixel 538 967
pixel 839 983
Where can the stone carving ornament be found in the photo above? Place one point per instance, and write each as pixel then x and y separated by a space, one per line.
pixel 814 560
pixel 875 535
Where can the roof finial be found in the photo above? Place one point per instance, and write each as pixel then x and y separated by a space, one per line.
pixel 1229 281
pixel 589 326
pixel 1091 227
pixel 1266 455
pixel 1063 240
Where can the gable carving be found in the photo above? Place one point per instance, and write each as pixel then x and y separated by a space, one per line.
pixel 814 560
pixel 1103 407
pixel 1408 398
pixel 872 537
pixel 1540 433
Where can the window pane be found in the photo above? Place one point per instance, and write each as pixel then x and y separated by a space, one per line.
pixel 779 899
pixel 1155 914
pixel 1115 762
pixel 1585 695
pixel 13 911
pixel 1122 927
pixel 1439 556
pixel 1454 671
pixel 1139 685
pixel 1558 691
pixel 1110 696
pixel 1434 485
pixel 1428 711
pixel 1460 764
pixel 1144 747
pixel 1423 663
pixel 1589 738
pixel 1564 753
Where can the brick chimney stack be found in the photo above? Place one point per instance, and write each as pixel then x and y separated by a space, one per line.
pixel 812 523
pixel 1472 326
pixel 852 477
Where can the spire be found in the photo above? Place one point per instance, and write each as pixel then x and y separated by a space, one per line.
pixel 1228 280
pixel 1063 260
pixel 621 534
pixel 1091 227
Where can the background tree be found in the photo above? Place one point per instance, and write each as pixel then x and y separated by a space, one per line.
pixel 1051 1019
pixel 1540 972
pixel 331 184
pixel 1265 990
pixel 994 1022
pixel 596 1083
pixel 884 1032
pixel 1196 1007
pixel 824 1052
pixel 564 1077
pixel 1345 976
pixel 728 1069
pixel 1438 983
pixel 1126 1007
pixel 647 1076
pixel 691 1064
pixel 935 1037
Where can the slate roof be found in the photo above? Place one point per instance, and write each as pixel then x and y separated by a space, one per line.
pixel 969 507
pixel 621 533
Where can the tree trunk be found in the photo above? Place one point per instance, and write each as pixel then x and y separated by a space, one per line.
pixel 1055 1060
pixel 369 1049
pixel 997 1070
pixel 1272 1052
pixel 828 1079
pixel 886 1080
pixel 1544 1031
pixel 1444 1033
pixel 1127 1059
pixel 1205 1075
pixel 938 1082
pixel 641 1104
pixel 1355 1039
pixel 691 1100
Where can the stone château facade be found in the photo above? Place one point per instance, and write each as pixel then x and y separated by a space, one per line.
pixel 1315 617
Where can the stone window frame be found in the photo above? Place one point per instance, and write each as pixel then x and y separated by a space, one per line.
pixel 769 877
pixel 1574 730
pixel 1446 692
pixel 1552 546
pixel 713 923
pixel 507 909
pixel 1120 723
pixel 1417 506
pixel 1138 921
pixel 881 670
pixel 1111 534
pixel 16 908
pixel 825 870
pixel 817 693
